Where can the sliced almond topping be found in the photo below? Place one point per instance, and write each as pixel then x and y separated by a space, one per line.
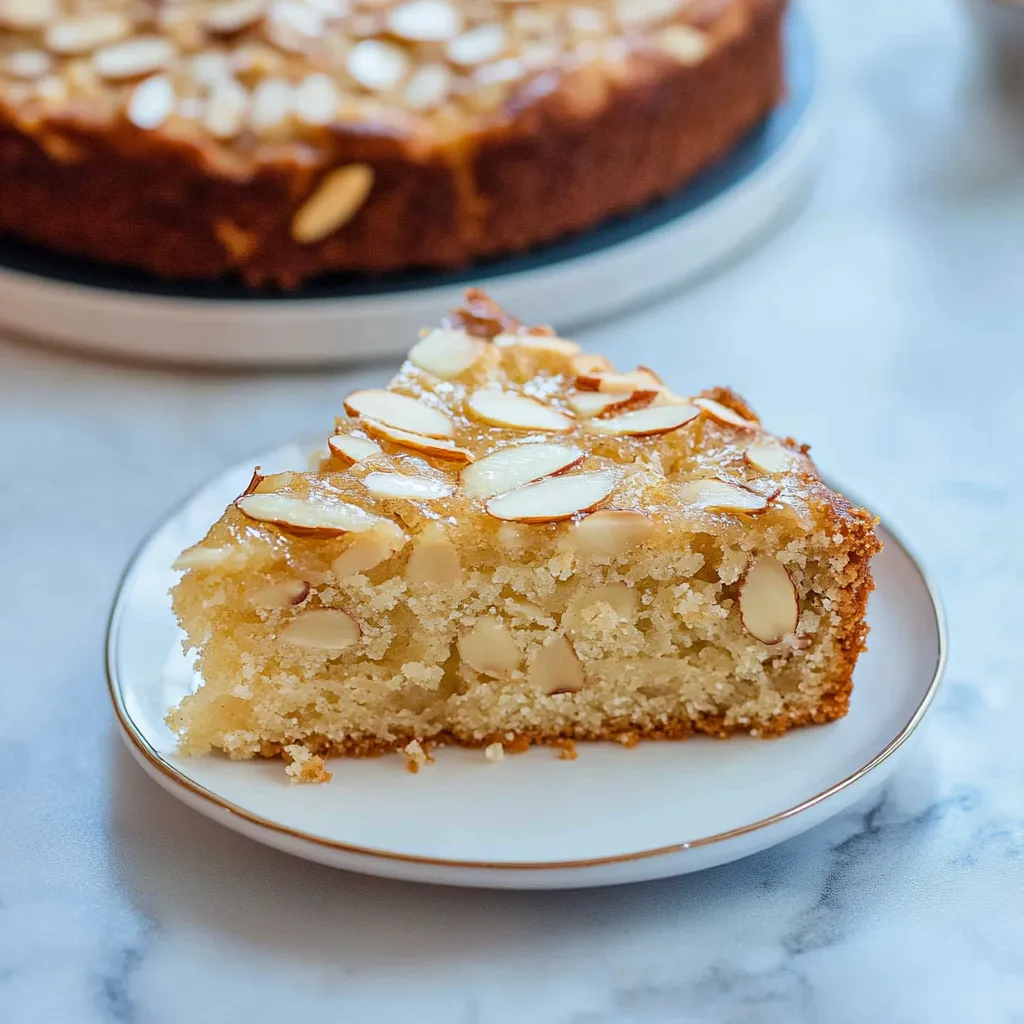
pixel 200 558
pixel 517 412
pixel 610 532
pixel 769 607
pixel 401 485
pixel 335 202
pixel 769 457
pixel 318 516
pixel 446 353
pixel 488 648
pixel 139 56
pixel 425 21
pixel 437 448
pixel 723 414
pixel 556 668
pixel 85 32
pixel 324 629
pixel 587 363
pixel 376 65
pixel 686 44
pixel 399 411
pixel 368 550
pixel 434 558
pixel 28 14
pixel 537 343
pixel 477 46
pixel 152 102
pixel 587 404
pixel 512 467
pixel 721 496
pixel 233 15
pixel 352 449
pixel 554 499
pixel 281 595
pixel 656 419
pixel 428 87
pixel 619 383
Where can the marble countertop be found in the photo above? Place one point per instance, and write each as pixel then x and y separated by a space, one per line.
pixel 885 324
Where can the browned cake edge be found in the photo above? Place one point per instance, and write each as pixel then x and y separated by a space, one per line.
pixel 126 197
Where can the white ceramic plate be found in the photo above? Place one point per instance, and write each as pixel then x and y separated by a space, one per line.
pixel 531 821
pixel 348 318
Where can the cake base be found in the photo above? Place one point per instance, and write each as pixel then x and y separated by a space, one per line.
pixel 506 825
pixel 351 318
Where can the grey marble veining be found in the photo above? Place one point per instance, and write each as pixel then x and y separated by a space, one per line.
pixel 885 324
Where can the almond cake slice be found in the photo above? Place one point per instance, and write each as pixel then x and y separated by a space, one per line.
pixel 513 543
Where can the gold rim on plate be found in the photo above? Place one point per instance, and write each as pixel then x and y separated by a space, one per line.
pixel 143 747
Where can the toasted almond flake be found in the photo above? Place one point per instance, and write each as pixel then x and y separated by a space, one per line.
pixel 588 363
pixel 688 45
pixel 272 101
pixel 402 485
pixel 769 606
pixel 723 414
pixel 632 13
pixel 139 56
pixel 610 533
pixel 434 558
pixel 368 550
pixel 28 64
pixel 399 411
pixel 318 516
pixel 715 495
pixel 478 45
pixel 619 383
pixel 292 26
pixel 333 204
pixel 556 668
pixel 152 102
pixel 517 412
pixel 86 32
pixel 769 457
pixel 437 448
pixel 377 65
pixel 655 419
pixel 316 100
pixel 516 465
pixel 488 648
pixel 587 404
pixel 280 595
pixel 428 87
pixel 28 14
pixel 234 15
pixel 446 353
pixel 226 109
pixel 538 343
pixel 352 449
pixel 554 498
pixel 324 629
pixel 202 558
pixel 425 21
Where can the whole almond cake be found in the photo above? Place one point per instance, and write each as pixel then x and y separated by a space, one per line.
pixel 276 140
pixel 514 543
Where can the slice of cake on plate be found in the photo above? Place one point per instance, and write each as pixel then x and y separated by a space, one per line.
pixel 512 543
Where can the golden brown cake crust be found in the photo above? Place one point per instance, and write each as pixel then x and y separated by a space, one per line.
pixel 179 208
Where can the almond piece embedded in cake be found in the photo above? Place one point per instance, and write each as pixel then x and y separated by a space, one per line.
pixel 630 572
pixel 768 601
